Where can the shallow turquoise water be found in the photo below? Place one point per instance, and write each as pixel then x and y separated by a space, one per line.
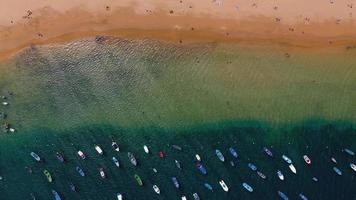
pixel 201 97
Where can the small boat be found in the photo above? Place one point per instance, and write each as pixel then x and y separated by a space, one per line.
pixel 115 146
pixel 146 149
pixel 196 196
pixel 285 158
pixel 219 155
pixel 156 189
pixel 5 103
pixel 132 158
pixel 232 163
pixel 81 154
pixel 48 175
pixel 183 198
pixel 247 187
pixel 353 166
pixel 32 196
pixel 260 174
pixel 99 150
pixel 80 171
pixel 56 195
pixel 154 170
pixel 102 173
pixel 282 195
pixel 72 187
pixel 201 168
pixel 175 182
pixel 348 151
pixel 252 166
pixel 161 154
pixel 337 171
pixel 177 147
pixel 119 196
pixel 35 156
pixel 138 180
pixel 333 160
pixel 280 175
pixel 197 157
pixel 307 159
pixel 292 168
pixel 233 152
pixel 268 152
pixel 177 164
pixel 302 196
pixel 223 185
pixel 315 179
pixel 60 157
pixel 208 186
pixel 116 161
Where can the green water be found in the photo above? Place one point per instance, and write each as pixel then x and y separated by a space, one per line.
pixel 201 97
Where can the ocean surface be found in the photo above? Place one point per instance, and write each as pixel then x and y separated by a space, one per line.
pixel 202 97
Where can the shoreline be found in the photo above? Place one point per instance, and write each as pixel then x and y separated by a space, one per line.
pixel 48 26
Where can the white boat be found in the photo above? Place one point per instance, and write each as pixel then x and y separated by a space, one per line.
pixel 353 166
pixel 146 149
pixel 247 187
pixel 154 170
pixel 5 103
pixel 184 197
pixel 307 159
pixel 116 161
pixel 223 185
pixel 196 196
pixel 285 158
pixel 102 173
pixel 12 130
pixel 333 160
pixel 35 156
pixel 115 146
pixel 260 174
pixel 197 157
pixel 280 175
pixel 81 154
pixel 119 196
pixel 99 150
pixel 348 151
pixel 292 168
pixel 156 189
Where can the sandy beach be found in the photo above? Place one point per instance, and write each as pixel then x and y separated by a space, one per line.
pixel 304 24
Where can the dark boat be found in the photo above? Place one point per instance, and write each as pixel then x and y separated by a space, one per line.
pixel 177 164
pixel 201 169
pixel 80 171
pixel 72 187
pixel 175 182
pixel 115 146
pixel 282 195
pixel 233 152
pixel 56 195
pixel 161 154
pixel 232 163
pixel 177 147
pixel 252 166
pixel 268 152
pixel 260 174
pixel 132 158
pixel 302 196
pixel 138 180
pixel 60 157
pixel 208 186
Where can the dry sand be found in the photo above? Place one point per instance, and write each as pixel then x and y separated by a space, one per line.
pixel 299 23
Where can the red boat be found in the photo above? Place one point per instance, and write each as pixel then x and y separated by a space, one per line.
pixel 161 155
pixel 306 159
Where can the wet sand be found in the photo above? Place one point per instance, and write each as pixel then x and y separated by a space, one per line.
pixel 279 23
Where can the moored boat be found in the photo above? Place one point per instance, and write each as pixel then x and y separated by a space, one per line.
pixel 268 151
pixel 177 164
pixel 348 151
pixel 48 175
pixel 219 155
pixel 315 179
pixel 99 150
pixel 138 180
pixel 183 197
pixel 337 171
pixel 72 187
pixel 280 175
pixel 262 175
pixel 307 159
pixel 223 185
pixel 156 189
pixel 201 168
pixel 102 173
pixel 60 156
pixel 115 146
pixel 285 158
pixel 333 160
pixel 353 166
pixel 81 154
pixel 175 182
pixel 132 158
pixel 247 187
pixel 146 149
pixel 80 171
pixel 161 154
pixel 116 161
pixel 208 186
pixel 232 163
pixel 119 196
pixel 196 196
pixel 177 147
pixel 292 168
pixel 252 166
pixel 197 157
pixel 233 152
pixel 35 156
pixel 302 196
pixel 56 195
pixel 282 195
